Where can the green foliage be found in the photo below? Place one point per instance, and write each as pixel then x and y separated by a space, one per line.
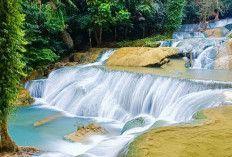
pixel 40 49
pixel 11 45
pixel 174 14
pixel 40 57
pixel 123 18
pixel 146 8
pixel 146 42
pixel 191 13
pixel 55 17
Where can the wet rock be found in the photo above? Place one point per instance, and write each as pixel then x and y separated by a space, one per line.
pixel 217 32
pixel 141 56
pixel 138 122
pixel 83 132
pixel 26 152
pixel 89 56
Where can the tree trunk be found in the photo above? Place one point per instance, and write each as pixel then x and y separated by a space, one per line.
pixel 115 34
pixel 40 6
pixel 67 39
pixel 96 37
pixel 90 39
pixel 217 15
pixel 100 36
pixel 7 144
pixel 126 32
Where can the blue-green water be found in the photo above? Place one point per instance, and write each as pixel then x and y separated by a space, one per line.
pixel 49 137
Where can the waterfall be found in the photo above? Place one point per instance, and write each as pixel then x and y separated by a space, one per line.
pixel 204 49
pixel 36 87
pixel 187 35
pixel 90 91
pixel 193 27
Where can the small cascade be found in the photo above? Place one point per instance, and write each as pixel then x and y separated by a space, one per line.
pixel 205 50
pixel 195 27
pixel 36 88
pixel 187 35
pixel 206 59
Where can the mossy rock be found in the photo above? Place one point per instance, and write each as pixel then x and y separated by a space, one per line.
pixel 200 115
pixel 134 123
pixel 24 98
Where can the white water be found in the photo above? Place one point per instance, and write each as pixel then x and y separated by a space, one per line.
pixel 187 35
pixel 89 91
pixel 205 50
pixel 194 27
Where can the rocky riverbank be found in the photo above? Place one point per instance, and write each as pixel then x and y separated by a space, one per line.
pixel 212 138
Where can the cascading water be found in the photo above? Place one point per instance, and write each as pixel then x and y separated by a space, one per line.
pixel 90 91
pixel 194 27
pixel 205 50
pixel 187 35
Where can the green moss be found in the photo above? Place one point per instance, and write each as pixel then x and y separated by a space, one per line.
pixel 200 115
pixel 146 42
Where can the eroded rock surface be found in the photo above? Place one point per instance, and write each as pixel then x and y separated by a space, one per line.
pixel 83 132
pixel 141 56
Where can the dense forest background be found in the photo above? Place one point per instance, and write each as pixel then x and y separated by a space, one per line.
pixel 56 28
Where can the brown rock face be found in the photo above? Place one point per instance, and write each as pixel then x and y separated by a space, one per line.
pixel 141 56
pixel 86 57
pixel 229 51
pixel 24 98
pixel 224 57
pixel 214 33
pixel 82 133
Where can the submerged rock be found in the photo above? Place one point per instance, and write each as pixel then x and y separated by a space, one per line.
pixel 141 56
pixel 134 123
pixel 24 98
pixel 47 120
pixel 83 132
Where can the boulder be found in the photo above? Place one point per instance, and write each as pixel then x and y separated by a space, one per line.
pixel 89 56
pixel 83 132
pixel 24 98
pixel 217 32
pixel 224 56
pixel 141 56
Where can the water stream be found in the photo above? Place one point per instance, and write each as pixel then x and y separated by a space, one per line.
pixel 89 93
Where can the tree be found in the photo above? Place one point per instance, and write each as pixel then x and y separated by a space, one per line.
pixel 11 44
pixel 39 51
pixel 101 17
pixel 210 8
pixel 122 19
pixel 174 14
pixel 56 19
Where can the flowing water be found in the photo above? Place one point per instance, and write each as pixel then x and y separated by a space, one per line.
pixel 205 50
pixel 90 93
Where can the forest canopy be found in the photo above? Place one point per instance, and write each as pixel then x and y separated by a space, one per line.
pixel 55 28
